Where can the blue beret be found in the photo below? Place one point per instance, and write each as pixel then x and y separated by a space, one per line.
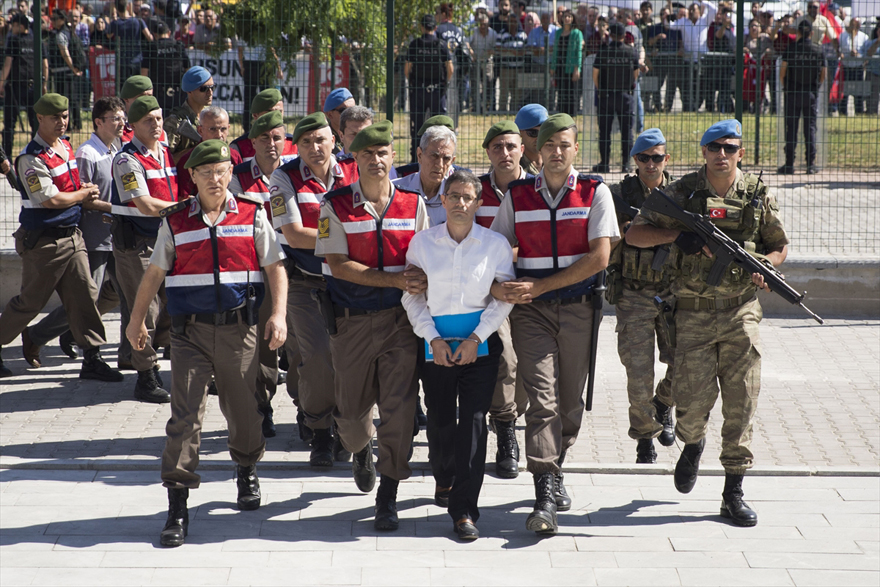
pixel 336 98
pixel 650 138
pixel 724 129
pixel 194 78
pixel 530 116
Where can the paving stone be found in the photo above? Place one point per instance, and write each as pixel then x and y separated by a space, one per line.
pixel 734 577
pixel 195 576
pixel 52 577
pixel 786 560
pixel 624 577
pixel 837 577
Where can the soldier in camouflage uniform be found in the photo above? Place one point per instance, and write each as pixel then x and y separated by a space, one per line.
pixel 716 337
pixel 632 285
pixel 180 125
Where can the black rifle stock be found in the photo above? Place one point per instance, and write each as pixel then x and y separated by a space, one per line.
pixel 596 299
pixel 726 250
pixel 11 177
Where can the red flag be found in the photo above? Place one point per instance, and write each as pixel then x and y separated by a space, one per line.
pixel 837 86
pixel 832 18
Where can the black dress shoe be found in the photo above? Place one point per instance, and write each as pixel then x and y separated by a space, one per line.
pixel 386 505
pixel 30 351
pixel 95 368
pixel 67 344
pixel 362 469
pixel 466 530
pixel 248 487
pixel 645 453
pixel 688 466
pixel 441 496
pixel 732 505
pixel 177 524
pixel 322 449
pixel 663 415
pixel 543 518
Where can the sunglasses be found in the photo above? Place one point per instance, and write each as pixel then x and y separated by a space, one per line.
pixel 729 149
pixel 642 158
pixel 206 88
pixel 340 110
pixel 532 133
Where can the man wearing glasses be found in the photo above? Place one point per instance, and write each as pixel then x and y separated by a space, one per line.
pixel 180 124
pixel 94 159
pixel 632 285
pixel 717 342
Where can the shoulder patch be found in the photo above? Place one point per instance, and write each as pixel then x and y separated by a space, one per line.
pixel 33 183
pixel 174 208
pixel 324 228
pixel 279 208
pixel 129 181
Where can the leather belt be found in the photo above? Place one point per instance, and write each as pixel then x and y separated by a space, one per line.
pixel 221 319
pixel 342 312
pixel 59 232
pixel 582 299
pixel 712 304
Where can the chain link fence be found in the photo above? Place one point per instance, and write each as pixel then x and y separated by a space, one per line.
pixel 493 61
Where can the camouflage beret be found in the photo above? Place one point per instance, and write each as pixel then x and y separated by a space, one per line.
pixel 210 151
pixel 50 104
pixel 266 122
pixel 141 107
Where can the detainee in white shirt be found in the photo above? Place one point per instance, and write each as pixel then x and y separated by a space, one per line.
pixel 459 318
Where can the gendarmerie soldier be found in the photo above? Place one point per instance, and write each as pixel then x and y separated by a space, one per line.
pixel 717 341
pixel 133 88
pixel 363 233
pixel 297 190
pixel 615 72
pixel 633 282
pixel 504 148
pixel 145 183
pixel 53 254
pixel 251 178
pixel 266 101
pixel 211 253
pixel 564 224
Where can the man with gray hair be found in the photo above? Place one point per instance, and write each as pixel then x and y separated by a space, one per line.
pixel 353 120
pixel 213 124
pixel 435 155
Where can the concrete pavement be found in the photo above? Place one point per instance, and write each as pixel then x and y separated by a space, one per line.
pixel 81 503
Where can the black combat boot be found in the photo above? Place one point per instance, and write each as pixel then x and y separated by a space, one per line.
pixel 732 505
pixel 248 487
pixel 305 433
pixel 386 505
pixel 563 501
pixel 688 466
pixel 94 367
pixel 543 519
pixel 322 448
pixel 147 389
pixel 66 342
pixel 507 453
pixel 362 469
pixel 664 418
pixel 340 454
pixel 645 452
pixel 268 422
pixel 177 524
pixel 159 379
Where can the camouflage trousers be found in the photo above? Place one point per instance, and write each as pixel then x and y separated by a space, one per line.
pixel 720 349
pixel 638 324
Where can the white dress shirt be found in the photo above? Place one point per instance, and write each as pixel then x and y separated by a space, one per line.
pixel 695 34
pixel 460 276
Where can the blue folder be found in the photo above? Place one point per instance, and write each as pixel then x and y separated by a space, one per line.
pixel 454 328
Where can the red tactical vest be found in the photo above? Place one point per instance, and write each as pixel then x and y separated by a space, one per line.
pixel 128 134
pixel 65 176
pixel 551 240
pixel 161 178
pixel 489 208
pixel 192 286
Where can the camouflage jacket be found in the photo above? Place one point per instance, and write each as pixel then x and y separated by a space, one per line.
pixel 182 139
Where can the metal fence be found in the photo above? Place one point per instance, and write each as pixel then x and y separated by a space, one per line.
pixel 308 47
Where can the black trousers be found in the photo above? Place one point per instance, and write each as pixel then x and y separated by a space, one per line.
pixel 68 85
pixel 457 449
pixel 853 74
pixel 19 96
pixel 801 103
pixel 567 93
pixel 424 102
pixel 252 73
pixel 619 104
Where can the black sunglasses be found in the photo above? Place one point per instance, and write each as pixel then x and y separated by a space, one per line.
pixel 206 88
pixel 532 133
pixel 729 149
pixel 340 109
pixel 642 158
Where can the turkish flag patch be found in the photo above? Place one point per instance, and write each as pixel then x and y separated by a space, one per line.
pixel 717 213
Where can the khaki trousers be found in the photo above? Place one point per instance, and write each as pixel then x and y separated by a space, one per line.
pixel 55 264
pixel 374 356
pixel 315 370
pixel 509 400
pixel 267 374
pixel 638 324
pixel 718 350
pixel 552 343
pixel 229 354
pixel 131 265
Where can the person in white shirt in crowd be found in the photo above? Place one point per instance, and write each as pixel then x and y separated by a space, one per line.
pixel 482 43
pixel 851 42
pixel 435 154
pixel 694 30
pixel 458 317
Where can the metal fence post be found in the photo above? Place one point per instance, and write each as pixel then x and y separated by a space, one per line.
pixel 38 52
pixel 740 19
pixel 389 60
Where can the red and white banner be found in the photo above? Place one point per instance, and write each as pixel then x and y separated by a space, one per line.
pixel 102 68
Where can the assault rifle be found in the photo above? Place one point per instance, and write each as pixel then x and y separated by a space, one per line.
pixel 10 175
pixel 726 250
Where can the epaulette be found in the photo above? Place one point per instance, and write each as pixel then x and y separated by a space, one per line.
pixel 339 192
pixel 249 198
pixel 590 177
pixel 175 208
pixel 242 167
pixel 407 169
